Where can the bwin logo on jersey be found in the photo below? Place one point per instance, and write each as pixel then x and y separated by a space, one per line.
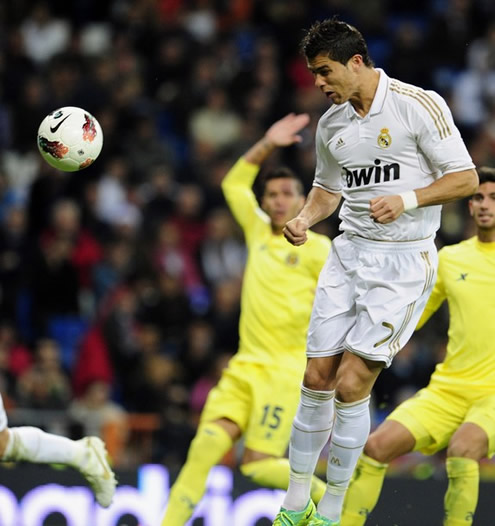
pixel 372 175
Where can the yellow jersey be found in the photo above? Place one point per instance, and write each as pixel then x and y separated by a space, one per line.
pixel 466 278
pixel 279 280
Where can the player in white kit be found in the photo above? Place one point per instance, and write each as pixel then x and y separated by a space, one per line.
pixel 394 153
pixel 87 455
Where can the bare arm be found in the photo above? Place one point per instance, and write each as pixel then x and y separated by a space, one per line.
pixel 284 132
pixel 449 187
pixel 319 205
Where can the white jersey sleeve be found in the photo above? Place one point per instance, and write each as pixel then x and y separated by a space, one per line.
pixel 438 137
pixel 328 172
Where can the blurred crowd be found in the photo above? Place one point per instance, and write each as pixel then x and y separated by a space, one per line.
pixel 120 284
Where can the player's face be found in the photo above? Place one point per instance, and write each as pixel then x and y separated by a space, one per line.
pixel 338 82
pixel 281 201
pixel 482 206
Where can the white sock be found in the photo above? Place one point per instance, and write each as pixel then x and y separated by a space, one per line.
pixel 350 432
pixel 34 445
pixel 310 432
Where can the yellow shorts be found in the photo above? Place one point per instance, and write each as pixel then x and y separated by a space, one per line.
pixel 435 413
pixel 261 400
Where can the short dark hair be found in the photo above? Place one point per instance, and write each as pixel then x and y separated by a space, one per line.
pixel 336 39
pixel 281 172
pixel 486 174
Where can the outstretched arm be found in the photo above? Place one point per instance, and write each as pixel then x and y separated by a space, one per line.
pixel 282 133
pixel 237 184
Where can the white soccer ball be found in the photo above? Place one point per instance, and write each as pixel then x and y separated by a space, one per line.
pixel 70 139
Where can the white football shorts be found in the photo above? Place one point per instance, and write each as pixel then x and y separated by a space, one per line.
pixel 3 415
pixel 370 297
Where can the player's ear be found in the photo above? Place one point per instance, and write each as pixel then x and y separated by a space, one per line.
pixel 356 61
pixel 470 205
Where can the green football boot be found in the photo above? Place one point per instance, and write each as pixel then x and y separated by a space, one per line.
pixel 319 520
pixel 295 518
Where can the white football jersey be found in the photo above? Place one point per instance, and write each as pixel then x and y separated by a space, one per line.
pixel 407 140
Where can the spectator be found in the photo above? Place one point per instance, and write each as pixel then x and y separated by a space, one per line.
pixel 222 252
pixel 14 253
pixel 159 196
pixel 224 313
pixel 168 308
pixel 112 269
pixel 198 351
pixel 44 35
pixel 86 252
pixel 215 125
pixel 53 283
pixel 96 414
pixel 206 382
pixel 112 204
pixel 44 385
pixel 145 148
pixel 174 258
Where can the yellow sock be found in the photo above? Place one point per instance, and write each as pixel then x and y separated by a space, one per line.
pixel 274 473
pixel 209 446
pixel 461 498
pixel 363 492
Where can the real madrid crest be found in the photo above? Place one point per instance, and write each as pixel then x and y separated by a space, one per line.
pixel 384 140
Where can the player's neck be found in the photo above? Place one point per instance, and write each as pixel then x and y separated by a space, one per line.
pixel 486 236
pixel 363 99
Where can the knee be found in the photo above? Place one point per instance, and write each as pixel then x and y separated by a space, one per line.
pixel 316 378
pixel 469 441
pixel 350 386
pixel 377 448
pixel 354 380
pixel 462 448
pixel 387 443
pixel 348 390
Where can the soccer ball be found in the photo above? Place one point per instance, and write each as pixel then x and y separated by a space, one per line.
pixel 70 139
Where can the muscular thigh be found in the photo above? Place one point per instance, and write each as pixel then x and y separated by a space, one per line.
pixel 482 413
pixel 389 441
pixel 469 441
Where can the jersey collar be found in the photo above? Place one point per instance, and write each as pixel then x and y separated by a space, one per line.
pixel 378 100
pixel 381 92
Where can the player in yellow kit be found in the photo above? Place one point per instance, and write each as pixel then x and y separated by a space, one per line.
pixel 258 393
pixel 457 409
